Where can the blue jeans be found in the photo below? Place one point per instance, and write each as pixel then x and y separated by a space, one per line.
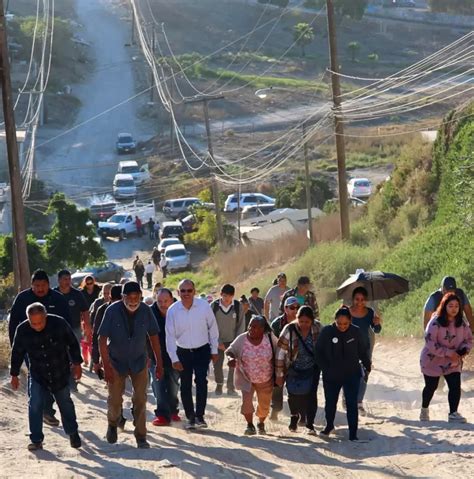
pixel 165 391
pixel 48 399
pixel 35 410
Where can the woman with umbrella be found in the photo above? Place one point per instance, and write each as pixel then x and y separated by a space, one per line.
pixel 369 323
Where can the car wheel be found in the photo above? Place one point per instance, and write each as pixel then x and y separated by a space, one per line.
pixel 122 235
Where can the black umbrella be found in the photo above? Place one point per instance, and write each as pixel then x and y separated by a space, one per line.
pixel 378 284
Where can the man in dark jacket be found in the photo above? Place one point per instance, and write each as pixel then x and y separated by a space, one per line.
pixel 50 344
pixel 165 389
pixel 55 303
pixel 339 351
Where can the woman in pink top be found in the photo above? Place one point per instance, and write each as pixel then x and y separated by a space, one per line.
pixel 448 339
pixel 252 356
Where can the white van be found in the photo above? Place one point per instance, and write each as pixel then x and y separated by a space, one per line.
pixel 130 167
pixel 246 199
pixel 124 186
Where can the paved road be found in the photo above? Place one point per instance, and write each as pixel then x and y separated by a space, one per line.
pixel 84 160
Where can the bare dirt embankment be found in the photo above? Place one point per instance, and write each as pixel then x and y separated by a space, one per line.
pixel 398 444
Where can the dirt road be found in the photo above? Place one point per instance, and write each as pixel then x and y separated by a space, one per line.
pixel 398 444
pixel 84 161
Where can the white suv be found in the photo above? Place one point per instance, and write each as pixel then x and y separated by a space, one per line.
pixel 246 199
pixel 359 188
pixel 140 174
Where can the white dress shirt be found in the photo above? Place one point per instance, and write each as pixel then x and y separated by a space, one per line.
pixel 149 268
pixel 190 328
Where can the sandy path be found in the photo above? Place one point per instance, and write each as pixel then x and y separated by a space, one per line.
pixel 398 445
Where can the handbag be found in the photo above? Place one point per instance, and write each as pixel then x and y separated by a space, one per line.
pixel 299 381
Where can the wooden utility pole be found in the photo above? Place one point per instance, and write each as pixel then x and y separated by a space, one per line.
pixel 19 230
pixel 214 186
pixel 132 35
pixel 339 127
pixel 308 187
pixel 152 77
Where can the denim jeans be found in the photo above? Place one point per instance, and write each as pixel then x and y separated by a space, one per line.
pixel 165 391
pixel 48 399
pixel 195 362
pixel 350 387
pixel 35 410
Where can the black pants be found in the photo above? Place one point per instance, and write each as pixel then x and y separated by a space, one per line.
pixel 332 389
pixel 305 405
pixel 149 280
pixel 453 381
pixel 277 399
pixel 194 361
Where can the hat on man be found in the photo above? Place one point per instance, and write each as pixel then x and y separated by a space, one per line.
pixel 281 276
pixel 291 301
pixel 448 283
pixel 131 287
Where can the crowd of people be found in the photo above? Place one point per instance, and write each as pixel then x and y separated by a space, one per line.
pixel 270 344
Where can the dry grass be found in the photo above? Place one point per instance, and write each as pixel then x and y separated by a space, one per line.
pixel 4 346
pixel 239 263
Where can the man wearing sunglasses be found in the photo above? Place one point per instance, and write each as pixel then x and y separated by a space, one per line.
pixel 291 308
pixel 192 340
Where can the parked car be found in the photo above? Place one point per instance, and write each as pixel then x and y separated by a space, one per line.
pixel 103 273
pixel 257 210
pixel 189 223
pixel 359 187
pixel 181 207
pixel 246 199
pixel 124 186
pixel 177 257
pixel 140 174
pixel 125 143
pixel 164 243
pixel 172 229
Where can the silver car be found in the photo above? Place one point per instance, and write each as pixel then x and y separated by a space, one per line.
pixel 177 257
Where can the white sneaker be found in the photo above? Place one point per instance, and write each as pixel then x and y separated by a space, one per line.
pixel 424 414
pixel 456 417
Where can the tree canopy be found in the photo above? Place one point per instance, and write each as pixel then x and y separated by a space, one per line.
pixel 303 34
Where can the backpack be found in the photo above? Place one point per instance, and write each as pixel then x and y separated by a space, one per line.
pixel 215 308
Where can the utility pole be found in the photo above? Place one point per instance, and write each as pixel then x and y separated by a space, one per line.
pixel 19 230
pixel 172 119
pixel 132 36
pixel 308 187
pixel 214 186
pixel 152 78
pixel 338 125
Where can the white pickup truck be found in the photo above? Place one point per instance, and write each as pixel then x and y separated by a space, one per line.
pixel 122 223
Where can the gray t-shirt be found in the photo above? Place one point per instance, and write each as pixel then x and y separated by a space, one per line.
pixel 273 296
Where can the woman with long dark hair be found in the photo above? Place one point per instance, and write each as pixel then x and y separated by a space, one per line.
pixel 369 324
pixel 340 350
pixel 448 339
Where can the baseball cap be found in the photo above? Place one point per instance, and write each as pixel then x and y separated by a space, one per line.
pixel 291 301
pixel 281 276
pixel 131 287
pixel 448 283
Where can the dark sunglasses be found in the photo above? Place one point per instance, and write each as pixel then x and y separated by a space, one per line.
pixel 293 307
pixel 186 290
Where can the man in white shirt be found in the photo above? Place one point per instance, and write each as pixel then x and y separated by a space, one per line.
pixel 192 340
pixel 149 268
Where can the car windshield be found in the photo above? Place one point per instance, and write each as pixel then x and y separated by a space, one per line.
pixel 125 139
pixel 118 218
pixel 130 169
pixel 88 268
pixel 175 253
pixel 364 184
pixel 125 183
pixel 173 230
pixel 170 241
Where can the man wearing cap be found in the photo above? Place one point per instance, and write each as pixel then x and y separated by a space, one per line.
pixel 55 303
pixel 122 344
pixel 192 340
pixel 303 294
pixel 274 296
pixel 448 285
pixel 291 308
